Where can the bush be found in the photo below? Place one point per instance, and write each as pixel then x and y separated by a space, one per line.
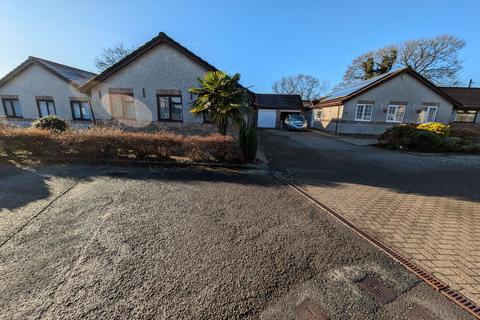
pixel 110 144
pixel 51 123
pixel 399 137
pixel 248 142
pixel 409 137
pixel 436 127
pixel 466 132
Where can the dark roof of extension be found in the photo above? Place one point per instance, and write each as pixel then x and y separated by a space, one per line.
pixel 278 101
pixel 71 75
pixel 159 39
pixel 468 97
pixel 341 95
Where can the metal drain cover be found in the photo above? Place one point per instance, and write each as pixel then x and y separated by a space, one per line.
pixel 377 289
pixel 418 313
pixel 307 310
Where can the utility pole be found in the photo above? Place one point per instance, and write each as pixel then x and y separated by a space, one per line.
pixel 470 83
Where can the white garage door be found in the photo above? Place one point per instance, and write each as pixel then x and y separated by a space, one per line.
pixel 266 118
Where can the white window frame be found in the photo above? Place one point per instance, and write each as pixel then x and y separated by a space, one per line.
pixel 396 106
pixel 466 112
pixel 317 111
pixel 363 105
pixel 427 110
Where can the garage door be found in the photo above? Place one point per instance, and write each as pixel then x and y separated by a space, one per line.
pixel 266 118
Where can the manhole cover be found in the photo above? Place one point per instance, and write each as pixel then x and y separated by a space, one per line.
pixel 307 310
pixel 377 289
pixel 418 313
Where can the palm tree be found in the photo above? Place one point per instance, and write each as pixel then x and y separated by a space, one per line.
pixel 221 98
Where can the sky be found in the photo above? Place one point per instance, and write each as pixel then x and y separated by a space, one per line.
pixel 262 40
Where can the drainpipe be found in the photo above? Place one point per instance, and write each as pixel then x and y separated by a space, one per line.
pixel 338 119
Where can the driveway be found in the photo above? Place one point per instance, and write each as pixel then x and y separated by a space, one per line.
pixel 168 243
pixel 425 206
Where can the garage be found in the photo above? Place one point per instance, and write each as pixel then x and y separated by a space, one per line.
pixel 273 108
pixel 266 118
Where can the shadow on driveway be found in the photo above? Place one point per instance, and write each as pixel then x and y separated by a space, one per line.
pixel 325 162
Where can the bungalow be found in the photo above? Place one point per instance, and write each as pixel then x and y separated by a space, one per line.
pixel 470 100
pixel 39 87
pixel 376 104
pixel 148 88
pixel 272 109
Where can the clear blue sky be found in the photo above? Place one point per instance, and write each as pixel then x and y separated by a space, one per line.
pixel 263 40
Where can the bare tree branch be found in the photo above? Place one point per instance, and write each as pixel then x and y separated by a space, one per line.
pixel 437 59
pixel 308 87
pixel 111 55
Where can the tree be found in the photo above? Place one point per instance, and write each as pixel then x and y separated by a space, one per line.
pixel 221 98
pixel 437 59
pixel 111 55
pixel 371 64
pixel 308 87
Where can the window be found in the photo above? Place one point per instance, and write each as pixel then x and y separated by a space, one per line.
pixel 170 107
pixel 46 108
pixel 319 114
pixel 122 106
pixel 465 115
pixel 364 112
pixel 207 117
pixel 427 114
pixel 396 113
pixel 80 110
pixel 12 108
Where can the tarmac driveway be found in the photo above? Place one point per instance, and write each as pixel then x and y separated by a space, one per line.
pixel 425 206
pixel 170 243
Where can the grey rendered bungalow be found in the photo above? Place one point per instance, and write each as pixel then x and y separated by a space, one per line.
pixel 372 106
pixel 40 87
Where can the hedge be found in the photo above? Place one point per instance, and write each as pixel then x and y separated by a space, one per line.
pixel 113 144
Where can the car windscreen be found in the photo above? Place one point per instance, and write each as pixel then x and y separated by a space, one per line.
pixel 297 118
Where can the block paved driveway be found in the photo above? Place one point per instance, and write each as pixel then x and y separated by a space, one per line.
pixel 425 206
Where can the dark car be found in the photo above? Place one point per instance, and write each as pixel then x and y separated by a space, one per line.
pixel 295 122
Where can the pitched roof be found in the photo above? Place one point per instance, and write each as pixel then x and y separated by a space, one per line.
pixel 341 95
pixel 278 101
pixel 71 75
pixel 469 97
pixel 159 39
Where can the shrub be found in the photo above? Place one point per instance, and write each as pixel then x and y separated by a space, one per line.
pixel 106 143
pixel 399 137
pixel 428 141
pixel 409 137
pixel 50 123
pixel 436 127
pixel 248 142
pixel 466 132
